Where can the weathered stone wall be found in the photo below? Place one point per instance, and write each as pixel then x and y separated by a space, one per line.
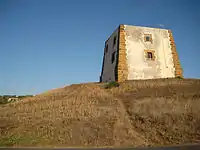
pixel 122 68
pixel 177 65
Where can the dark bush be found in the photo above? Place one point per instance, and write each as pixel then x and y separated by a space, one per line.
pixel 111 85
pixel 179 77
pixel 3 100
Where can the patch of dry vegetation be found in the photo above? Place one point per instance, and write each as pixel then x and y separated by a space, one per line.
pixel 137 114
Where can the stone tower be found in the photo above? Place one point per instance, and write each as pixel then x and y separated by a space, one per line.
pixel 134 52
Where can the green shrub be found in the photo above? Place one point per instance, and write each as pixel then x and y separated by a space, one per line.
pixel 3 100
pixel 111 84
pixel 18 140
pixel 179 77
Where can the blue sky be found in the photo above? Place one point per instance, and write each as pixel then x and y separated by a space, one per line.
pixel 47 44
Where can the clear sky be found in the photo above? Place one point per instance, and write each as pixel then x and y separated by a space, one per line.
pixel 46 44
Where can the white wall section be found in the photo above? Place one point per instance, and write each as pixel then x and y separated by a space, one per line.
pixel 138 66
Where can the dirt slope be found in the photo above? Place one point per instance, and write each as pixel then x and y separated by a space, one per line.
pixel 137 114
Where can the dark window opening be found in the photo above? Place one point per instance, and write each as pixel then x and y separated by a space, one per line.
pixel 150 55
pixel 113 57
pixel 148 38
pixel 114 41
pixel 106 48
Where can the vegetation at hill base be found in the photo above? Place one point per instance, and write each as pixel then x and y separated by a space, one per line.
pixel 111 84
pixel 4 99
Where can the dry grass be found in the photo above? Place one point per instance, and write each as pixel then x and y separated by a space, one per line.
pixel 138 114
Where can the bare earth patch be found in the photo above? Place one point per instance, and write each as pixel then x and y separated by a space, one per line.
pixel 137 114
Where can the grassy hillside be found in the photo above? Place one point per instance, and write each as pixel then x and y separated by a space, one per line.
pixel 137 113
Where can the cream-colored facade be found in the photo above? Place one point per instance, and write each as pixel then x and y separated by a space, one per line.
pixel 134 52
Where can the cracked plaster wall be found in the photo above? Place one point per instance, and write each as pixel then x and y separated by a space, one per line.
pixel 138 66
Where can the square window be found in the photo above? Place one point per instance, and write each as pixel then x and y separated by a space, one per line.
pixel 148 38
pixel 150 54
